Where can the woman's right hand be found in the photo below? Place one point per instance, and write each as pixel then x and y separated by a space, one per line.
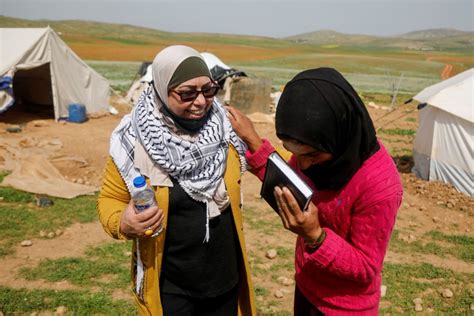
pixel 244 128
pixel 135 224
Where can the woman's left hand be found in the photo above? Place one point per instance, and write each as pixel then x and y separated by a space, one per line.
pixel 244 128
pixel 304 223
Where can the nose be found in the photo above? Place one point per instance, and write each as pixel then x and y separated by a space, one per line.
pixel 304 162
pixel 200 100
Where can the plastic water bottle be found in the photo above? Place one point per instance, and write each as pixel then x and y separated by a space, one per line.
pixel 144 197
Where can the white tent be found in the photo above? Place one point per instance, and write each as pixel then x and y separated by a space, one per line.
pixel 139 85
pixel 444 144
pixel 46 72
pixel 212 61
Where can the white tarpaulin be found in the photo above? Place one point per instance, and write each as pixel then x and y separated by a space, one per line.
pixel 138 86
pixel 47 71
pixel 444 144
pixel 212 61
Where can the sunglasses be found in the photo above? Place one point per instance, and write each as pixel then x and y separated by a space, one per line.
pixel 191 95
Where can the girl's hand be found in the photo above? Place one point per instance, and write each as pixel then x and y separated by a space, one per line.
pixel 303 223
pixel 244 128
pixel 135 224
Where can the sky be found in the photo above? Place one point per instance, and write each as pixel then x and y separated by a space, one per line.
pixel 273 18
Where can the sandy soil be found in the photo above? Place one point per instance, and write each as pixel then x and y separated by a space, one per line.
pixel 426 206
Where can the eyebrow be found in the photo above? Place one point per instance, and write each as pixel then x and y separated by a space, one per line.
pixel 194 86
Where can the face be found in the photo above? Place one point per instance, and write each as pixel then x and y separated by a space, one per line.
pixel 194 109
pixel 305 154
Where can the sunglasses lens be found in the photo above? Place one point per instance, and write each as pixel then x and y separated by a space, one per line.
pixel 210 92
pixel 188 95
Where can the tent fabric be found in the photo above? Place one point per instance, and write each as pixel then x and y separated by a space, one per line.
pixel 444 143
pixel 139 85
pixel 454 95
pixel 72 80
pixel 212 61
pixel 220 71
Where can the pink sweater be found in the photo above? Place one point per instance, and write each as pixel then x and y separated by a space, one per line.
pixel 343 276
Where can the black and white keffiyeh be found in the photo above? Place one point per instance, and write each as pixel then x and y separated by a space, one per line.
pixel 198 166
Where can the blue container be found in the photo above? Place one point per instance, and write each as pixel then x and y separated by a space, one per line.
pixel 77 113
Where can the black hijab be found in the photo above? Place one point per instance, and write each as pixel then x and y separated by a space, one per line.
pixel 319 108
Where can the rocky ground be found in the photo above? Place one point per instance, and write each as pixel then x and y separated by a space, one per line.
pixel 426 206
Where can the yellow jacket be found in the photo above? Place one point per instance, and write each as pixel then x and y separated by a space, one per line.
pixel 113 199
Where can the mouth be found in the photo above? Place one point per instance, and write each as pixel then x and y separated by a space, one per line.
pixel 196 113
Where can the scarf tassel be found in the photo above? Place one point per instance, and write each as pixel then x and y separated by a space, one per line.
pixel 208 234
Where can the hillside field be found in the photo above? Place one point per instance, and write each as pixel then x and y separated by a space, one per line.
pixel 56 260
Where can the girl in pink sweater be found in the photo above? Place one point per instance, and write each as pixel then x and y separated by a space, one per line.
pixel 344 233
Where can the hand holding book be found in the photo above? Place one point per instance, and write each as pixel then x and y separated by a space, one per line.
pixel 303 223
pixel 279 173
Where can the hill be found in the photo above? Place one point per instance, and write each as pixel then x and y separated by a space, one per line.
pixel 99 41
pixel 433 40
pixel 435 34
pixel 370 63
pixel 329 37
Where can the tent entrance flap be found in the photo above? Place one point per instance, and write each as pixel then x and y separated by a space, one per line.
pixel 32 91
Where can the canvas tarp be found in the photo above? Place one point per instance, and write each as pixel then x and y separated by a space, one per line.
pixel 32 164
pixel 48 64
pixel 444 144
pixel 139 85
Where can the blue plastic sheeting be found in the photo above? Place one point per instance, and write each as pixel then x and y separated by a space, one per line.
pixel 6 87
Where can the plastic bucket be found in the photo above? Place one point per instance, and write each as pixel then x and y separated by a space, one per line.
pixel 77 113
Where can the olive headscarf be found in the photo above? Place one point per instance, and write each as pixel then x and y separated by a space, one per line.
pixel 318 107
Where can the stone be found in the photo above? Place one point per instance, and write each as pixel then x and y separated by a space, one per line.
pixel 447 293
pixel 26 243
pixel 417 300
pixel 60 310
pixel 271 254
pixel 383 290
pixel 278 294
pixel 418 308
pixel 285 281
pixel 51 235
pixel 43 233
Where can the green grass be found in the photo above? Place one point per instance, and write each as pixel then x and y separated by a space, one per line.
pixel 26 301
pixel 105 266
pixel 8 194
pixel 22 219
pixel 94 277
pixel 264 220
pixel 120 74
pixel 438 244
pixel 397 131
pixel 260 291
pixel 406 282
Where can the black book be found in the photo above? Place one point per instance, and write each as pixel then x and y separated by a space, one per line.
pixel 279 173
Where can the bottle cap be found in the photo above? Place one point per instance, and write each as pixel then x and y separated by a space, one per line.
pixel 139 182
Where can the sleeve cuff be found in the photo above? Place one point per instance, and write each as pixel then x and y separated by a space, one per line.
pixel 258 159
pixel 328 250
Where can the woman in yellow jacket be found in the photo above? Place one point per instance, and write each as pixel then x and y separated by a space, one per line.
pixel 180 139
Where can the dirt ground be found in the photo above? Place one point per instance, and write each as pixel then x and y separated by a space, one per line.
pixel 427 206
